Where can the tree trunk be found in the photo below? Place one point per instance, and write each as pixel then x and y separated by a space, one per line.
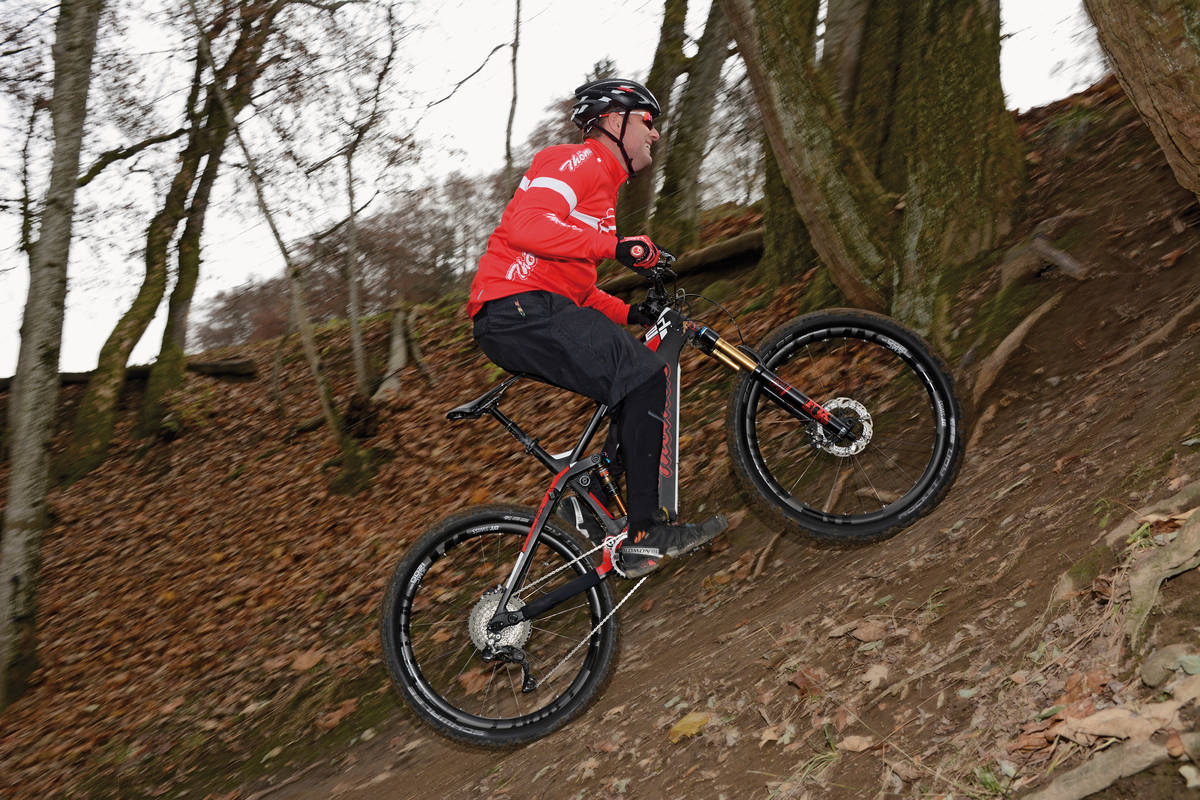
pixel 956 147
pixel 843 206
pixel 34 396
pixel 95 418
pixel 168 369
pixel 637 197
pixel 1154 47
pixel 927 121
pixel 509 170
pixel 676 223
pixel 845 24
pixel 787 247
pixel 354 302
pixel 356 462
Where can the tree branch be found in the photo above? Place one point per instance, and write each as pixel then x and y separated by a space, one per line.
pixel 122 153
pixel 478 69
pixel 26 200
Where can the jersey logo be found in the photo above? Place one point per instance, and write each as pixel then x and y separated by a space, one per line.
pixel 521 268
pixel 608 223
pixel 574 162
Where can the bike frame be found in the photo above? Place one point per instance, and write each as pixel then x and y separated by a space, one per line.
pixel 574 471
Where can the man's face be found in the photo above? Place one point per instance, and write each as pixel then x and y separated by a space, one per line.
pixel 639 135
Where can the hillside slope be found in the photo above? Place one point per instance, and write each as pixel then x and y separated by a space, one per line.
pixel 208 607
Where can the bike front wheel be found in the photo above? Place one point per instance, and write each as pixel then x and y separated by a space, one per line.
pixel 433 630
pixel 887 384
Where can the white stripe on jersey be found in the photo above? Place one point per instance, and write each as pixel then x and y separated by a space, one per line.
pixel 554 184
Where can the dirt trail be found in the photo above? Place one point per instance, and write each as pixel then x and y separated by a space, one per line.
pixel 908 668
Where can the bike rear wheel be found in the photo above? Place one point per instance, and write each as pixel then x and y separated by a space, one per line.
pixel 884 380
pixel 432 620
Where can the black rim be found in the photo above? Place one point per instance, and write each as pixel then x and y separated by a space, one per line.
pixel 445 671
pixel 900 465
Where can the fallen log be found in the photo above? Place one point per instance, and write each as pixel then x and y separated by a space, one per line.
pixel 744 244
pixel 235 368
pixel 1026 259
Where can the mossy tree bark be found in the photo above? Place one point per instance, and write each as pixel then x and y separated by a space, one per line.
pixel 787 247
pixel 676 223
pixel 951 150
pixel 1154 47
pixel 34 394
pixel 921 129
pixel 843 206
pixel 95 418
pixel 637 196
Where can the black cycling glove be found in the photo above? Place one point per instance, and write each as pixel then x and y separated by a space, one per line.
pixel 638 253
pixel 644 313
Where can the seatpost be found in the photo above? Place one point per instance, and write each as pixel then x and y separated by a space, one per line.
pixel 528 442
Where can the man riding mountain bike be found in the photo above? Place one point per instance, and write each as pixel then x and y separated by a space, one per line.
pixel 537 309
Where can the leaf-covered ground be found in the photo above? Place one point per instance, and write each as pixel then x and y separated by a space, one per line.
pixel 208 606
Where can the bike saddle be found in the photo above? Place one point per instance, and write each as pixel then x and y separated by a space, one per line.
pixel 482 404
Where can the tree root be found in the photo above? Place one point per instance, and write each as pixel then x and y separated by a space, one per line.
pixel 1108 767
pixel 760 563
pixel 1165 562
pixel 1157 337
pixel 992 365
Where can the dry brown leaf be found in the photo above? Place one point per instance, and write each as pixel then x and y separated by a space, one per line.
pixel 856 744
pixel 475 680
pixel 875 676
pixel 307 660
pixel 331 719
pixel 171 706
pixel 689 725
pixel 869 631
pixel 768 736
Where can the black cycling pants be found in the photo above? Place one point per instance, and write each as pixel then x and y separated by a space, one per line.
pixel 580 349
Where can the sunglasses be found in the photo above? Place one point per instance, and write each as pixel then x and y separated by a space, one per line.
pixel 645 116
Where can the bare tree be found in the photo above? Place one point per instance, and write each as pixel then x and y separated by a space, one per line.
pixel 676 221
pixel 637 197
pixel 35 388
pixel 356 462
pixel 207 127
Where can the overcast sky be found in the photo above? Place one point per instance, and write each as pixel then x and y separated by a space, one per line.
pixel 1045 57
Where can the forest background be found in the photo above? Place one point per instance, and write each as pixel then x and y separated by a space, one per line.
pixel 1048 52
pixel 869 158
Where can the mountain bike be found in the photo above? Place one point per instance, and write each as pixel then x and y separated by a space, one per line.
pixel 499 625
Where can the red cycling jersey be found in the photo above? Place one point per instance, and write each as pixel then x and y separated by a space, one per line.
pixel 555 230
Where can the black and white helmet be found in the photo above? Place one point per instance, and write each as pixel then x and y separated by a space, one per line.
pixel 610 94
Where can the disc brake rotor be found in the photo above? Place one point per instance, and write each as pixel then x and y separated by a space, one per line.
pixel 849 411
pixel 512 636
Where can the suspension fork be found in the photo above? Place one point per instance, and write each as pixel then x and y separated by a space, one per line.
pixel 788 397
